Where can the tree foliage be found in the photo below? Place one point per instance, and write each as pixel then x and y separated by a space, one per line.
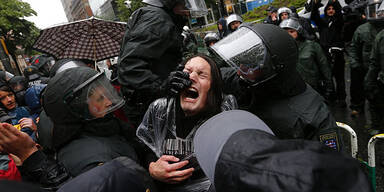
pixel 124 12
pixel 14 27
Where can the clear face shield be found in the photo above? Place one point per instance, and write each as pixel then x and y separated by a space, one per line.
pixel 8 75
pixel 94 98
pixel 245 51
pixel 291 24
pixel 197 8
pixel 373 10
pixel 380 11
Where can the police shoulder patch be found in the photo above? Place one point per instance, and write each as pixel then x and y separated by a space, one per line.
pixel 330 139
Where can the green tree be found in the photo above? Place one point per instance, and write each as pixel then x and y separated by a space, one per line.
pixel 14 27
pixel 124 12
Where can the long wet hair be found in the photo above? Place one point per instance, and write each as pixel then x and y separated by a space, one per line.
pixel 215 93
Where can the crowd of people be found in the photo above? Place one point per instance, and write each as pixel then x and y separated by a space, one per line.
pixel 251 114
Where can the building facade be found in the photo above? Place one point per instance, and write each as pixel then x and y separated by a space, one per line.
pixel 77 9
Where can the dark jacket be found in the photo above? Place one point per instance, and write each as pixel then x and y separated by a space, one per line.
pixel 164 120
pixel 269 20
pixel 313 65
pixel 150 50
pixel 375 72
pixel 287 105
pixel 330 28
pixel 253 160
pixel 361 45
pixel 119 175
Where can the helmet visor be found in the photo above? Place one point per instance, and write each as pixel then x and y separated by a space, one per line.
pixel 243 50
pixel 8 75
pixel 372 11
pixel 94 98
pixel 197 8
pixel 290 24
pixel 380 11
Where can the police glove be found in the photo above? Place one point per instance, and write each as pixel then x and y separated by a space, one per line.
pixel 178 81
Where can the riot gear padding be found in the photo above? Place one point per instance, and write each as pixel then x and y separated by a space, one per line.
pixel 283 10
pixel 292 23
pixel 372 10
pixel 31 73
pixel 233 18
pixel 258 52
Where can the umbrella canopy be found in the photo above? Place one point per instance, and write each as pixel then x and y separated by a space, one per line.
pixel 93 39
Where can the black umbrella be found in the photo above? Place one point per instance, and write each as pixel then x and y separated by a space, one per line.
pixel 93 39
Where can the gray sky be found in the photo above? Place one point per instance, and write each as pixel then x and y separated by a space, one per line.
pixel 49 12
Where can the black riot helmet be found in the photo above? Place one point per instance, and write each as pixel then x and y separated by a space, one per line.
pixel 197 8
pixel 76 96
pixel 64 64
pixel 44 63
pixel 5 75
pixel 258 52
pixel 19 85
pixel 32 73
pixel 211 38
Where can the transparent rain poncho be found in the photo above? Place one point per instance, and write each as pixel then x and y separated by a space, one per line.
pixel 160 121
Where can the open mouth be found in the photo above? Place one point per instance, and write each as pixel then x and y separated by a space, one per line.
pixel 191 93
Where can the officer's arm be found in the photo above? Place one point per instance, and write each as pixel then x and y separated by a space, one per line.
pixel 324 67
pixel 355 50
pixel 38 168
pixel 374 65
pixel 145 42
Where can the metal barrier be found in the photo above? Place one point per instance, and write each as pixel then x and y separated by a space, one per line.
pixel 372 160
pixel 353 136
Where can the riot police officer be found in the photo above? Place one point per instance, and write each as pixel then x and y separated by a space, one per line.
pixel 374 80
pixel 263 77
pixel 359 53
pixel 151 49
pixel 33 76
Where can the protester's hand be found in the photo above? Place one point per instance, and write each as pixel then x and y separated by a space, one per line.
pixel 16 142
pixel 27 122
pixel 178 81
pixel 16 159
pixel 163 171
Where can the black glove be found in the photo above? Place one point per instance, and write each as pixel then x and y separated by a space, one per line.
pixel 177 81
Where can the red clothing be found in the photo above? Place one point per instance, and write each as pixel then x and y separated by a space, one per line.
pixel 8 169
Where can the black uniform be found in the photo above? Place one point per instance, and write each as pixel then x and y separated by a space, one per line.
pixel 272 89
pixel 330 29
pixel 292 109
pixel 151 49
pixel 80 144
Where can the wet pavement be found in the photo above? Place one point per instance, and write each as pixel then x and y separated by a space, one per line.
pixel 359 124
